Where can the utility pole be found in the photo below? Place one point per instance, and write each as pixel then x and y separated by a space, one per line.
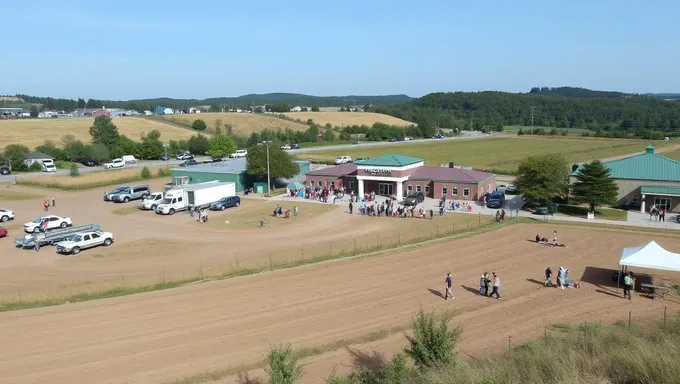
pixel 532 119
pixel 269 184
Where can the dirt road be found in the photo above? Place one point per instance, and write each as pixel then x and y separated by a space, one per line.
pixel 166 335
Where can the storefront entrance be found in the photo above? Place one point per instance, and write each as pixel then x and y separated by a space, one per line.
pixel 662 202
pixel 385 189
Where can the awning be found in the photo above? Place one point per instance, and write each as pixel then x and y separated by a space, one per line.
pixel 650 256
pixel 660 190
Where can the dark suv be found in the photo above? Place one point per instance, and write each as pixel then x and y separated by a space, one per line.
pixel 414 198
pixel 495 200
pixel 4 171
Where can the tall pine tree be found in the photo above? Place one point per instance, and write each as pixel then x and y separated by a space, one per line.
pixel 594 186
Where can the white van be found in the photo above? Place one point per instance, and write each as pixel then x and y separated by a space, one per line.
pixel 48 166
pixel 129 159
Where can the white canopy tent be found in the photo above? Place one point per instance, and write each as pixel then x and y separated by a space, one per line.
pixel 650 256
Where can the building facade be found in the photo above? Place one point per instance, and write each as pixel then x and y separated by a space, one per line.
pixel 398 175
pixel 644 180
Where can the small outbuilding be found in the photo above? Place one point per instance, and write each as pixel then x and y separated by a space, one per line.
pixel 36 157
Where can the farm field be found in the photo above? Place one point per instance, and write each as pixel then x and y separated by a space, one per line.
pixel 152 248
pixel 89 179
pixel 498 154
pixel 243 124
pixel 33 132
pixel 344 119
pixel 157 336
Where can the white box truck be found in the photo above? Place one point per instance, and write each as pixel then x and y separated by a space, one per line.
pixel 196 195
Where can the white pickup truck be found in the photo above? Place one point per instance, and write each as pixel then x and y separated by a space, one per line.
pixel 84 240
pixel 52 223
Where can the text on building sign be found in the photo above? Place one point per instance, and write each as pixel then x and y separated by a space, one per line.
pixel 378 171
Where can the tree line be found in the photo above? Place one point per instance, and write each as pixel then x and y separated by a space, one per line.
pixel 477 110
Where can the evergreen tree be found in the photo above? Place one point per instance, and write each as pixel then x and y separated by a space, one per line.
pixel 594 185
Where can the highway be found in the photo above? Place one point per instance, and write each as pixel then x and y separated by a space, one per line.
pixel 159 163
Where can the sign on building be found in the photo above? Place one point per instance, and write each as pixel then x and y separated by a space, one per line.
pixel 379 172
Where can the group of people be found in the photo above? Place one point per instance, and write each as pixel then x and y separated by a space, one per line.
pixel 489 285
pixel 46 204
pixel 322 194
pixel 562 279
pixel 285 213
pixel 500 215
pixel 657 213
pixel 389 209
pixel 554 243
pixel 202 214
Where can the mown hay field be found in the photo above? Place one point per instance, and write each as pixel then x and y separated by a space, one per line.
pixel 242 124
pixel 495 154
pixel 344 119
pixel 33 132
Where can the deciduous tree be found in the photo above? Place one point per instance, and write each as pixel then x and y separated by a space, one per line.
pixel 199 125
pixel 15 153
pixel 280 163
pixel 221 146
pixel 541 178
pixel 103 131
pixel 594 186
pixel 198 144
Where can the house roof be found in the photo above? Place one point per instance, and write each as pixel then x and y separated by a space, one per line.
pixel 237 166
pixel 442 174
pixel 338 170
pixel 645 166
pixel 36 156
pixel 391 160
pixel 659 190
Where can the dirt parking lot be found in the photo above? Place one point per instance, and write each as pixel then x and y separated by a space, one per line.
pixel 152 248
pixel 170 334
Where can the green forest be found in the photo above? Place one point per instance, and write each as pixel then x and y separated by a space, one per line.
pixel 552 107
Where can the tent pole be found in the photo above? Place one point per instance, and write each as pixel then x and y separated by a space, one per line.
pixel 618 277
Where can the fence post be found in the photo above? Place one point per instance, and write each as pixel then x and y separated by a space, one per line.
pixel 479 222
pixel 630 315
pixel 437 230
pixel 270 261
pixel 398 239
pixel 330 247
pixel 377 240
pixel 468 227
pixel 509 342
pixel 453 226
pixel 664 315
pixel 302 253
pixel 418 233
pixel 355 245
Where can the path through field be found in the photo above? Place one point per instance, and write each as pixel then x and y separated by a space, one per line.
pixel 167 335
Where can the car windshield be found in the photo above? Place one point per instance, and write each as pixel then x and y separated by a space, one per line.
pixel 37 220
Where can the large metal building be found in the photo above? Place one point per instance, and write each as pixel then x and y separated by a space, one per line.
pixel 233 170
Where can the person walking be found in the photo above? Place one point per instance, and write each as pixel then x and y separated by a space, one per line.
pixel 662 214
pixel 36 245
pixel 448 287
pixel 483 284
pixel 295 211
pixel 627 285
pixel 54 202
pixel 46 205
pixel 496 286
pixel 351 207
pixel 548 277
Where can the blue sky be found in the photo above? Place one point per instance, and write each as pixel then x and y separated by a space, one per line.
pixel 198 49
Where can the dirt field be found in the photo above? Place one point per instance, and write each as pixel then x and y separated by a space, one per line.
pixel 243 124
pixel 150 248
pixel 33 132
pixel 343 119
pixel 170 334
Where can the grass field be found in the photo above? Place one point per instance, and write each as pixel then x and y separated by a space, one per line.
pixel 496 154
pixel 600 213
pixel 33 132
pixel 249 218
pixel 343 119
pixel 11 195
pixel 243 124
pixel 87 180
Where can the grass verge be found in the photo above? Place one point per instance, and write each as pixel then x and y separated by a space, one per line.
pixel 600 213
pixel 301 353
pixel 11 195
pixel 237 271
pixel 126 211
pixel 92 180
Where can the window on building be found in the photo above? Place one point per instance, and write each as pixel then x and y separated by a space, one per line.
pixel 427 189
pixel 444 191
pixel 466 192
pixel 419 188
pixel 454 191
pixel 409 188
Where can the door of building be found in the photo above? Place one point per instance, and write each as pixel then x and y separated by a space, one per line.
pixel 662 202
pixel 385 189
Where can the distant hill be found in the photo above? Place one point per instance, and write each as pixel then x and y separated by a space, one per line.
pixel 581 93
pixel 667 96
pixel 292 99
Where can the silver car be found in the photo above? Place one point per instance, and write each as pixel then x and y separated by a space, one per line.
pixel 132 193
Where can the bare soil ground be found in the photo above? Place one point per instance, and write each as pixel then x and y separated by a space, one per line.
pixel 151 248
pixel 170 334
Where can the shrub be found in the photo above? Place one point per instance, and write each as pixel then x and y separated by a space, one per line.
pixel 283 365
pixel 35 167
pixel 432 344
pixel 520 132
pixel 199 125
pixel 164 172
pixel 146 173
pixel 74 172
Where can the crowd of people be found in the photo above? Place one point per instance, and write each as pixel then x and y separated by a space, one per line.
pixel 321 194
pixel 284 213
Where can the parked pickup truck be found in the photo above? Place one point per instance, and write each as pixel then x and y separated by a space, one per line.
pixel 84 240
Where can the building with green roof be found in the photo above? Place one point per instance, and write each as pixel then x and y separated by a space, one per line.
pixel 644 180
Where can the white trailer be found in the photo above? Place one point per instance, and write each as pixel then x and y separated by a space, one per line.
pixel 196 195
